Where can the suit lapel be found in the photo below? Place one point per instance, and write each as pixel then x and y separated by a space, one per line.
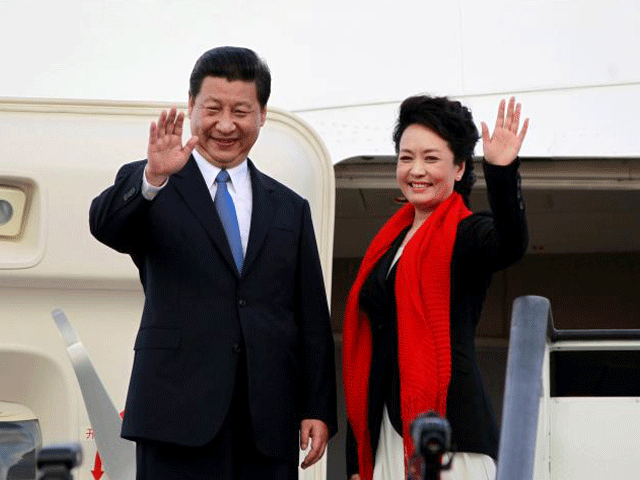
pixel 191 187
pixel 262 215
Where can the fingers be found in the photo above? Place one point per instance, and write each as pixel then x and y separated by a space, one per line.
pixel 509 122
pixel 510 114
pixel 162 124
pixel 177 130
pixel 171 120
pixel 500 117
pixel 499 146
pixel 485 133
pixel 516 119
pixel 315 454
pixel 514 125
pixel 169 123
pixel 318 431
pixel 191 144
pixel 304 437
pixel 153 133
pixel 523 132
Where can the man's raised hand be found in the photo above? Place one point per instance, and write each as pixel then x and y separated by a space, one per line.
pixel 165 153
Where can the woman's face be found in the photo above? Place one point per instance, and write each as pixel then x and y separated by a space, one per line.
pixel 425 171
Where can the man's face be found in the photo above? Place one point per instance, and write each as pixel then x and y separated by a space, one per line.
pixel 226 116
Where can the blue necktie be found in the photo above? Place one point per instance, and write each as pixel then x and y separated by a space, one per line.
pixel 227 212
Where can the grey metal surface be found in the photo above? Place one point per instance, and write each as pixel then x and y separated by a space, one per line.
pixel 118 455
pixel 529 321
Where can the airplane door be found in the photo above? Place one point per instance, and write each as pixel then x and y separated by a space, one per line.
pixel 55 157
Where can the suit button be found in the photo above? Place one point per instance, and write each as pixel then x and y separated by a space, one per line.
pixel 237 348
pixel 242 302
pixel 129 194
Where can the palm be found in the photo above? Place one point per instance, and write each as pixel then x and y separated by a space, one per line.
pixel 165 153
pixel 503 146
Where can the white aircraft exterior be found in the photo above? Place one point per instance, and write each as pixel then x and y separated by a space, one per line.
pixel 83 80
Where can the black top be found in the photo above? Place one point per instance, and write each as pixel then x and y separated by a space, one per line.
pixel 377 299
pixel 485 243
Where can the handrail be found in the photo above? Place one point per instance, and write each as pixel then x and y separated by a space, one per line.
pixel 530 320
pixel 117 454
pixel 592 334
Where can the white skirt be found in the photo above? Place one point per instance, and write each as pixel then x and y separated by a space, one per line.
pixel 390 459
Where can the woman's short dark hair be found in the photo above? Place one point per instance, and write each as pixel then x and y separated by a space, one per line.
pixel 453 122
pixel 232 63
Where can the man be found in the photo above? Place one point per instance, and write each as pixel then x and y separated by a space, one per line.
pixel 234 357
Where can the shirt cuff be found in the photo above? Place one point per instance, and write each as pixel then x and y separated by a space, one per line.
pixel 149 191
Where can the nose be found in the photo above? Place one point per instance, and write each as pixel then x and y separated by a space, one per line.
pixel 225 123
pixel 418 167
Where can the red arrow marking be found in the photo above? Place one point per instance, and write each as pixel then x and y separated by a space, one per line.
pixel 97 471
pixel 97 468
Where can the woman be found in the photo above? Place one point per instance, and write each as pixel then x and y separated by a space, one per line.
pixel 412 312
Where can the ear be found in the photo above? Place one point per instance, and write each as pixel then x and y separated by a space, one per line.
pixel 460 171
pixel 192 102
pixel 263 115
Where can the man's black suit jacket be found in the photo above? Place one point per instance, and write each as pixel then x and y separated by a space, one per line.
pixel 200 313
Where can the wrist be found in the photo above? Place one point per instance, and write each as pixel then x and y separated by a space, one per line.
pixel 515 163
pixel 154 180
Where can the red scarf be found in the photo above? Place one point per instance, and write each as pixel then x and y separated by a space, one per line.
pixel 423 298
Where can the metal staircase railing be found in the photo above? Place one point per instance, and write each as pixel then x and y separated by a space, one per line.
pixel 530 319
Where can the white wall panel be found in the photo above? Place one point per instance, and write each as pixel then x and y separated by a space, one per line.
pixel 516 46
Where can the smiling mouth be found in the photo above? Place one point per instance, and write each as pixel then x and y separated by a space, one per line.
pixel 419 185
pixel 224 142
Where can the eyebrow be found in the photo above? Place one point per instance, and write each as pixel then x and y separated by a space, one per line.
pixel 426 150
pixel 215 100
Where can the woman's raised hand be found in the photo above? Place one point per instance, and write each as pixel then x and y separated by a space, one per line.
pixel 502 147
